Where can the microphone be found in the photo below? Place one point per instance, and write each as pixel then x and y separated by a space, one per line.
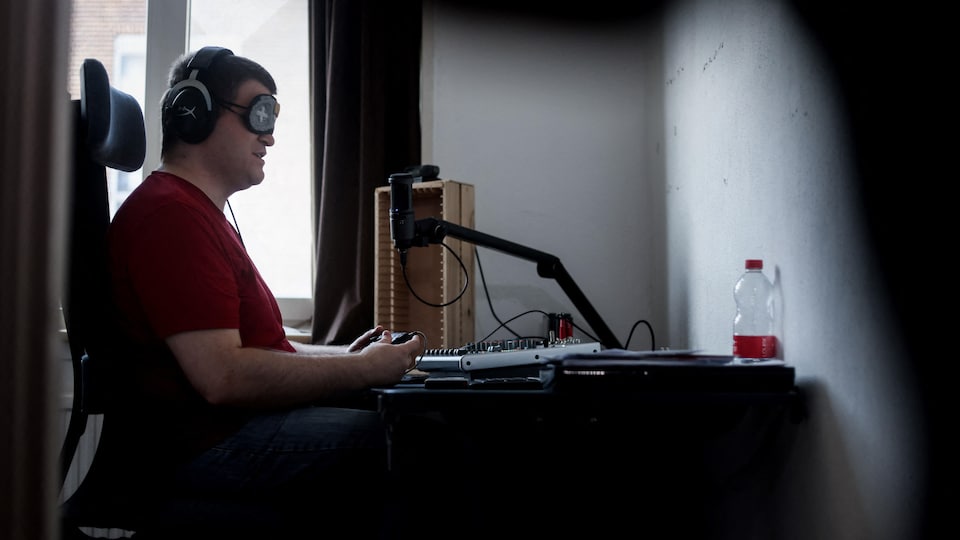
pixel 401 213
pixel 424 172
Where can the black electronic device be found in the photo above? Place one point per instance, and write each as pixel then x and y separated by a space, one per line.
pixel 507 383
pixel 446 381
pixel 189 110
pixel 422 173
pixel 401 213
pixel 402 338
pixel 398 337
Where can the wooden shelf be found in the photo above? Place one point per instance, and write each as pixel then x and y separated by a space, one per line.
pixel 434 272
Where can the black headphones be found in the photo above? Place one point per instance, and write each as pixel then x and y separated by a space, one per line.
pixel 188 108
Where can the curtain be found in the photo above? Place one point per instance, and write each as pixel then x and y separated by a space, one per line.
pixel 365 83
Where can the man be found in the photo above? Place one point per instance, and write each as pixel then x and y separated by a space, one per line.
pixel 223 404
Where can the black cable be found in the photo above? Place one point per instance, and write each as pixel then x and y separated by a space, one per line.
pixel 503 325
pixel 653 342
pixel 235 224
pixel 416 364
pixel 466 281
pixel 486 293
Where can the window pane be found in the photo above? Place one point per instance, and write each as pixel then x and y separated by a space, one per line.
pixel 274 217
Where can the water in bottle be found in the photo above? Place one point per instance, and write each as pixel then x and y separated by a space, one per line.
pixel 754 336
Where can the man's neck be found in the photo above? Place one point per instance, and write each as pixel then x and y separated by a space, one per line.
pixel 203 179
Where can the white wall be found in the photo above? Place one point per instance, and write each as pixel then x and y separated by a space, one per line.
pixel 544 121
pixel 653 156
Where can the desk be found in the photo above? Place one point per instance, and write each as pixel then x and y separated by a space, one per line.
pixel 691 464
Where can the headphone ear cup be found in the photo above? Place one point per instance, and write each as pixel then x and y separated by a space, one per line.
pixel 189 113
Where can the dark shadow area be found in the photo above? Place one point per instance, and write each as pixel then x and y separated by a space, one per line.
pixel 889 60
pixel 599 12
pixel 670 465
pixel 806 503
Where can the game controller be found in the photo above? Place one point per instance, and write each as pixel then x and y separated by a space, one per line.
pixel 398 338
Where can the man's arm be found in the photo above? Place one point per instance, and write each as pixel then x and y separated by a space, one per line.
pixel 356 346
pixel 226 373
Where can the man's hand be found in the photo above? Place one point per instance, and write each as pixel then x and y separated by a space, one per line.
pixel 365 339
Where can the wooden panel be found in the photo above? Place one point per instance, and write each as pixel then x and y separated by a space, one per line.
pixel 434 273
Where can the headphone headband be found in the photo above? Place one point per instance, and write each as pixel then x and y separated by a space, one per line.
pixel 205 57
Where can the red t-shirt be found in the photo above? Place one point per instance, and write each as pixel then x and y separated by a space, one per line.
pixel 178 265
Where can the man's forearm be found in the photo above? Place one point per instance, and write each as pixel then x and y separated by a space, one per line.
pixel 309 348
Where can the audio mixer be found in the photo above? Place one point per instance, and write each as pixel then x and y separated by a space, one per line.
pixel 500 354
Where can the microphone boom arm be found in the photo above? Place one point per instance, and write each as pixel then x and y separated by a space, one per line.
pixel 433 230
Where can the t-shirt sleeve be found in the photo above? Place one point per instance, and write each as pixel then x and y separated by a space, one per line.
pixel 181 272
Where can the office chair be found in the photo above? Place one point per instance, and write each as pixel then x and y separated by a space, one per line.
pixel 109 132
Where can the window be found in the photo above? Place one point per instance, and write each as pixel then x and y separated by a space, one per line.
pixel 274 217
pixel 137 43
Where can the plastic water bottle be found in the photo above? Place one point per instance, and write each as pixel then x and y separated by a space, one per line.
pixel 754 335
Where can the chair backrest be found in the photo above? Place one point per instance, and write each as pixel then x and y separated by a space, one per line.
pixel 108 132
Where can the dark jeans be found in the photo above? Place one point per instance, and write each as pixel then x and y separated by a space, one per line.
pixel 324 472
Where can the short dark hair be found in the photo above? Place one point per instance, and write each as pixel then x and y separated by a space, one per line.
pixel 222 79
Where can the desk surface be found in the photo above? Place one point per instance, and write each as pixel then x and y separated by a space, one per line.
pixel 647 382
pixel 418 391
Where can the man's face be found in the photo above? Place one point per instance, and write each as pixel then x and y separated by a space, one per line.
pixel 239 153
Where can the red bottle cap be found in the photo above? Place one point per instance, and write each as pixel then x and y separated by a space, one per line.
pixel 754 264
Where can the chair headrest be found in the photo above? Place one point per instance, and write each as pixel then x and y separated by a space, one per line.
pixel 116 137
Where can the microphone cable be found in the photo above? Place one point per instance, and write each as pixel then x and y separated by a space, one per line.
pixel 236 226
